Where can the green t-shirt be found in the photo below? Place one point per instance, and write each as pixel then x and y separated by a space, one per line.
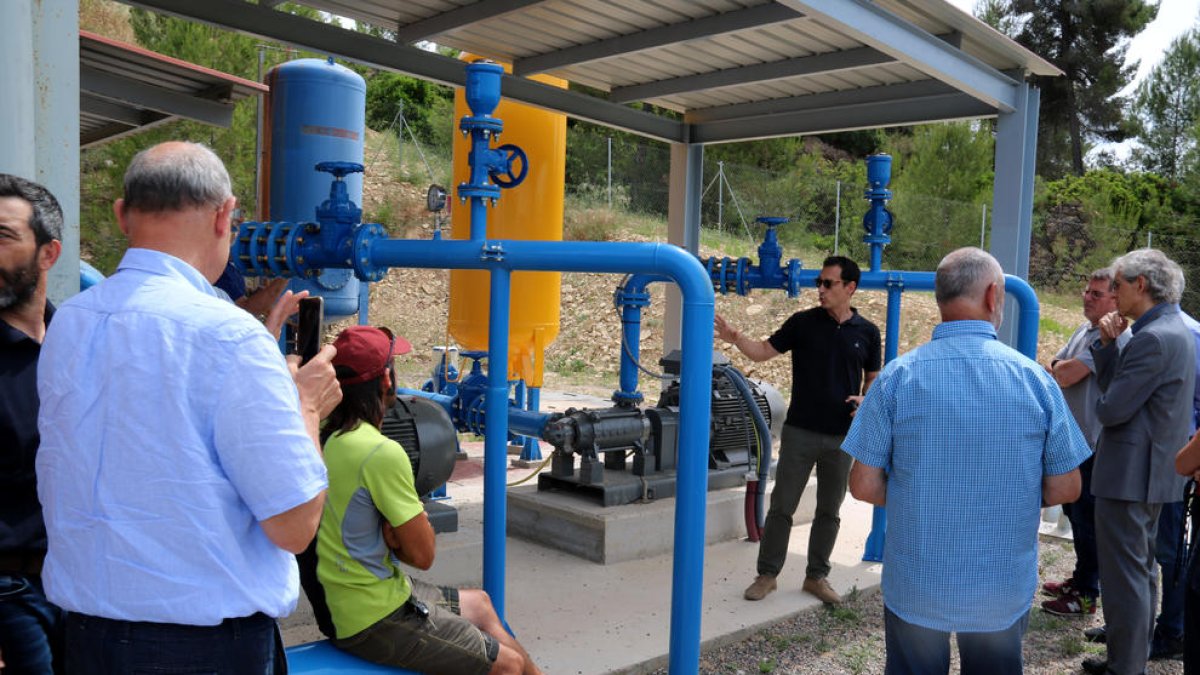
pixel 370 479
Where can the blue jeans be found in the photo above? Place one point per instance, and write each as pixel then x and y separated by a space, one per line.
pixel 30 626
pixel 245 646
pixel 916 650
pixel 1166 552
pixel 1082 514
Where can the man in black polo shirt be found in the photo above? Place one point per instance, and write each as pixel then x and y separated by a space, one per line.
pixel 836 354
pixel 30 234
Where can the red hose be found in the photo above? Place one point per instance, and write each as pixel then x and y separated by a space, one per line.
pixel 750 510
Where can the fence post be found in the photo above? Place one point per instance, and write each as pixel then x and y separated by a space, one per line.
pixel 982 226
pixel 837 219
pixel 721 195
pixel 609 173
pixel 1149 238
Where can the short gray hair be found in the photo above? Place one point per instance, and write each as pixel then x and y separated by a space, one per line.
pixel 1164 277
pixel 965 272
pixel 175 176
pixel 1103 274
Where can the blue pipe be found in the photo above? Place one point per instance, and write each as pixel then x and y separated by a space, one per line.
pixel 873 549
pixel 495 443
pixel 695 383
pixel 631 299
pixel 533 404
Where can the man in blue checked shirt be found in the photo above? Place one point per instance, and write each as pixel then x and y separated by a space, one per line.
pixel 964 440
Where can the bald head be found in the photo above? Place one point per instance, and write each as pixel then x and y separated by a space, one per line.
pixel 175 176
pixel 178 201
pixel 970 285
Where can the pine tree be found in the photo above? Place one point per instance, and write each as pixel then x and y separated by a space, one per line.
pixel 1087 39
pixel 1168 107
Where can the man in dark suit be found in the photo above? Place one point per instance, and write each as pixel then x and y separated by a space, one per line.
pixel 1146 411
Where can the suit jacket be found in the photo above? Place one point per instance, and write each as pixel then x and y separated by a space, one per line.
pixel 1146 410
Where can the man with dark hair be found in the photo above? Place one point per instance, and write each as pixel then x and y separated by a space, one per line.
pixel 1146 411
pixel 179 467
pixel 836 354
pixel 963 440
pixel 373 520
pixel 30 243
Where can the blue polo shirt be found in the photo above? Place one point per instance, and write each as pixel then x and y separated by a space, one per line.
pixel 967 428
pixel 21 528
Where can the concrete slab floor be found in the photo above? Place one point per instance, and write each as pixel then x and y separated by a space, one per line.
pixel 576 616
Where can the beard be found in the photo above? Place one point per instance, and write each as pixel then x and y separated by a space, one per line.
pixel 17 285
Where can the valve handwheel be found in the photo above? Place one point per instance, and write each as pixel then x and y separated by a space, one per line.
pixel 507 179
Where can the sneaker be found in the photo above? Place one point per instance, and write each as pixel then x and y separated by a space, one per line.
pixel 762 586
pixel 1057 588
pixel 1095 666
pixel 1098 635
pixel 1070 605
pixel 822 589
pixel 1166 648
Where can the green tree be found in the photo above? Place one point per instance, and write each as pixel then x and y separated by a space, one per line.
pixel 941 176
pixel 1168 106
pixel 1087 39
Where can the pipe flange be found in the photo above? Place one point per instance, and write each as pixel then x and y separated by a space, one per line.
pixel 364 238
pixel 486 191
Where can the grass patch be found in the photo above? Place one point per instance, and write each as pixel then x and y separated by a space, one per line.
pixel 1049 325
pixel 1071 644
pixel 857 657
pixel 767 665
pixel 1040 622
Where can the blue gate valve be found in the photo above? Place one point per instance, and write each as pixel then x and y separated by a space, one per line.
pixel 499 164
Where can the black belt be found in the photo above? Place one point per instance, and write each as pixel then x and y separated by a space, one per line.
pixel 22 563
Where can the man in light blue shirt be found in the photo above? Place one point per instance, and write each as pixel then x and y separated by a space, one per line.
pixel 178 468
pixel 964 440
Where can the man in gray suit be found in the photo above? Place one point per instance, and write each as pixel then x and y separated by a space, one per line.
pixel 1146 410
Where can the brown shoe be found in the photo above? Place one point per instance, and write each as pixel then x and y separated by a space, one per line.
pixel 762 586
pixel 822 589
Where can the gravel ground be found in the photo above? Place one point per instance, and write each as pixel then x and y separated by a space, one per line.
pixel 849 639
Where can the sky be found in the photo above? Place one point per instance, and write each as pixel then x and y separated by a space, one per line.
pixel 1174 17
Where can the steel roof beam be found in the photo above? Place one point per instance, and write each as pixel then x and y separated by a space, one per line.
pixel 832 99
pixel 759 72
pixel 108 110
pixel 388 55
pixel 457 18
pixel 918 110
pixel 873 26
pixel 717 24
pixel 117 88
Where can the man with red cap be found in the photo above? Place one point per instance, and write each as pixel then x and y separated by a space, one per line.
pixel 373 520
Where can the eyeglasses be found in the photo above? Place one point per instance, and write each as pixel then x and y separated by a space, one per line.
pixel 1094 295
pixel 826 283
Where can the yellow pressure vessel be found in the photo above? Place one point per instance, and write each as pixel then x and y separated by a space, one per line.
pixel 531 211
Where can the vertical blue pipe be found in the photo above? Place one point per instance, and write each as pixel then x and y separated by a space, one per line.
pixel 873 550
pixel 364 303
pixel 695 386
pixel 533 403
pixel 631 333
pixel 495 447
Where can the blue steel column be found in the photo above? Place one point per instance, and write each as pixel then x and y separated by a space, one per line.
pixel 1012 199
pixel 495 446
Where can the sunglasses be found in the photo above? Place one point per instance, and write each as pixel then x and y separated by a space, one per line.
pixel 827 283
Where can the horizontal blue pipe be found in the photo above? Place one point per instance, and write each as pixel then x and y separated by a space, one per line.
pixel 441 399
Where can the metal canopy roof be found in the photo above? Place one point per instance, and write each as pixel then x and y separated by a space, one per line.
pixel 124 88
pixel 732 69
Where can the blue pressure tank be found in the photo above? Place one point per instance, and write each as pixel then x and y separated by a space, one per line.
pixel 315 113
